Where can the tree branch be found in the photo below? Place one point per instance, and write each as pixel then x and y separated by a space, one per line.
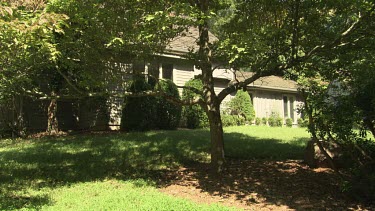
pixel 346 33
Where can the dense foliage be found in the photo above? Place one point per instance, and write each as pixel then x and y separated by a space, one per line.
pixel 289 122
pixel 335 117
pixel 142 113
pixel 258 121
pixel 138 112
pixel 67 49
pixel 167 114
pixel 193 115
pixel 275 120
pixel 241 105
pixel 232 120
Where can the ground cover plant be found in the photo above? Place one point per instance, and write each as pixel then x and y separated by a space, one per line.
pixel 143 171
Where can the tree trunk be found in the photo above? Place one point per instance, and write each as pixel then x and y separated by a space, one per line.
pixel 17 122
pixel 211 100
pixel 20 119
pixel 217 139
pixel 52 125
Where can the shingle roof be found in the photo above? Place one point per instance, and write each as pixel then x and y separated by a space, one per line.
pixel 269 82
pixel 187 41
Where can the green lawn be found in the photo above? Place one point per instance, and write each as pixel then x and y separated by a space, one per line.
pixel 118 171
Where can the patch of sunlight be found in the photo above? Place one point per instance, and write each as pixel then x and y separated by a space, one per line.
pixel 119 195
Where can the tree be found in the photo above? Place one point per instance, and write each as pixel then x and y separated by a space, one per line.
pixel 28 50
pixel 64 49
pixel 276 38
pixel 268 37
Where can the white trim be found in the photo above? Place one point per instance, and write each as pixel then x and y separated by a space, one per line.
pixel 273 88
pixel 170 56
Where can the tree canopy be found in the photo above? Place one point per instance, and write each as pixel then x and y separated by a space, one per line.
pixel 71 48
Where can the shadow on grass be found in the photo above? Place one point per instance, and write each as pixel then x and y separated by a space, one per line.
pixel 54 162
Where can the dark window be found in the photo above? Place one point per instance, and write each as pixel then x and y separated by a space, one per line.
pixel 153 69
pixel 138 67
pixel 291 103
pixel 167 71
pixel 285 99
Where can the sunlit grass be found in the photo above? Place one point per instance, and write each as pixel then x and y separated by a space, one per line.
pixel 95 171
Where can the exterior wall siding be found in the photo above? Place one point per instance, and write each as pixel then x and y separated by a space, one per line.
pixel 181 74
pixel 219 86
pixel 268 102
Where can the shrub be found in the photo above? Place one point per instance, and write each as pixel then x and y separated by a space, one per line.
pixel 302 122
pixel 92 112
pixel 138 112
pixel 258 121
pixel 264 121
pixel 275 120
pixel 272 122
pixel 193 115
pixel 279 121
pixel 228 120
pixel 167 114
pixel 232 120
pixel 289 122
pixel 240 120
pixel 241 105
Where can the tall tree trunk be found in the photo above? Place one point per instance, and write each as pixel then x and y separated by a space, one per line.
pixel 52 125
pixel 217 139
pixel 211 100
pixel 17 122
pixel 20 119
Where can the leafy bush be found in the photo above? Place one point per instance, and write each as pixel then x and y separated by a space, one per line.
pixel 168 115
pixel 302 122
pixel 193 115
pixel 92 112
pixel 145 113
pixel 228 120
pixel 264 121
pixel 272 122
pixel 241 105
pixel 138 112
pixel 279 122
pixel 275 120
pixel 232 120
pixel 258 121
pixel 289 122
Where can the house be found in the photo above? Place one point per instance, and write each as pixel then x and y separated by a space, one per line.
pixel 173 64
pixel 274 95
pixel 268 94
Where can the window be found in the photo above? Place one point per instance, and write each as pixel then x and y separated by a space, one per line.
pixel 138 67
pixel 167 71
pixel 153 69
pixel 288 104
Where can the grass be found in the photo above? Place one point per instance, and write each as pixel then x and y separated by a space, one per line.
pixel 120 170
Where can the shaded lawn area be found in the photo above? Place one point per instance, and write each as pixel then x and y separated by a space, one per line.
pixel 123 170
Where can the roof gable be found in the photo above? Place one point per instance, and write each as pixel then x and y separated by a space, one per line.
pixel 187 41
pixel 269 82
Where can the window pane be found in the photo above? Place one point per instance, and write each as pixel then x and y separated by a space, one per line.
pixel 167 71
pixel 153 69
pixel 139 68
pixel 291 108
pixel 285 99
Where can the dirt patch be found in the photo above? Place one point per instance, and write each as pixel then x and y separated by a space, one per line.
pixel 261 185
